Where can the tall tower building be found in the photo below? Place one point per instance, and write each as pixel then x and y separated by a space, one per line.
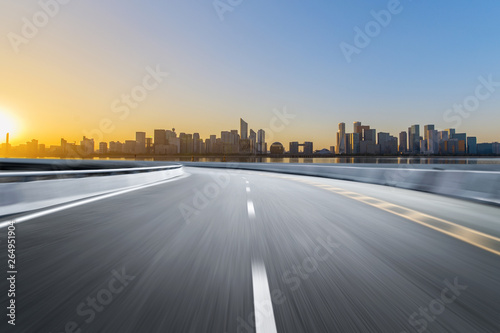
pixel 451 132
pixel 427 128
pixel 196 143
pixel 261 142
pixel 160 137
pixel 140 137
pixel 356 125
pixel 403 142
pixel 414 139
pixel 369 135
pixel 341 144
pixel 243 129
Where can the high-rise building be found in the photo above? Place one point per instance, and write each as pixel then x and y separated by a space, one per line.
pixel 87 146
pixel 356 127
pixel 294 148
pixel 103 148
pixel 485 149
pixel 64 148
pixel 196 143
pixel 341 139
pixel 443 136
pixel 451 133
pixel 462 142
pixel 472 145
pixel 243 129
pixel 354 142
pixel 170 134
pixel 403 142
pixel 160 137
pixel 369 135
pixel 253 141
pixel 189 144
pixel 174 145
pixel 235 138
pixel 308 148
pixel 388 144
pixel 140 137
pixel 427 128
pixel 433 142
pixel 414 142
pixel 149 146
pixel 261 142
pixel 130 147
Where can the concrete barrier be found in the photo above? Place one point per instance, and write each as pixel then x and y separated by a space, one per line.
pixel 478 185
pixel 30 193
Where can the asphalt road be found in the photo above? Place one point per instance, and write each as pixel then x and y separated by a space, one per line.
pixel 241 251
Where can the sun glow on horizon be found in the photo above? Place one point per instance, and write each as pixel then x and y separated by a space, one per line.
pixel 8 124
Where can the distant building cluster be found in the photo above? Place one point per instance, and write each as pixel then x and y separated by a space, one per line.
pixel 362 141
pixel 163 142
pixel 366 141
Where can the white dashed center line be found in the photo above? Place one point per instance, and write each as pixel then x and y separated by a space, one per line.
pixel 251 209
pixel 248 189
pixel 264 314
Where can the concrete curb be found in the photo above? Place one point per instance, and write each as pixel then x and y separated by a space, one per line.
pixel 482 186
pixel 18 197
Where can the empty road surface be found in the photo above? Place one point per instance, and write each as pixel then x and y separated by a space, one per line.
pixel 241 251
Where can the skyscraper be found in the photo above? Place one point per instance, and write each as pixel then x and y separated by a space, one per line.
pixel 354 141
pixel 356 125
pixel 427 128
pixel 433 142
pixel 414 142
pixel 403 142
pixel 160 137
pixel 341 143
pixel 103 148
pixel 471 145
pixel 253 141
pixel 196 143
pixel 261 142
pixel 451 133
pixel 369 135
pixel 243 129
pixel 140 138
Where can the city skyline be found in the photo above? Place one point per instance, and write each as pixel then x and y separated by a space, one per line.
pixel 279 136
pixel 362 140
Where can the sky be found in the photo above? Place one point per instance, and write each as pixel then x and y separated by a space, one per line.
pixel 247 59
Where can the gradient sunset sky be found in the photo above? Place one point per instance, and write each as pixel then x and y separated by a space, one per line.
pixel 264 55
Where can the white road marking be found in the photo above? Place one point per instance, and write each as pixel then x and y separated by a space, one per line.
pixel 263 305
pixel 247 182
pixel 248 189
pixel 32 216
pixel 251 209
